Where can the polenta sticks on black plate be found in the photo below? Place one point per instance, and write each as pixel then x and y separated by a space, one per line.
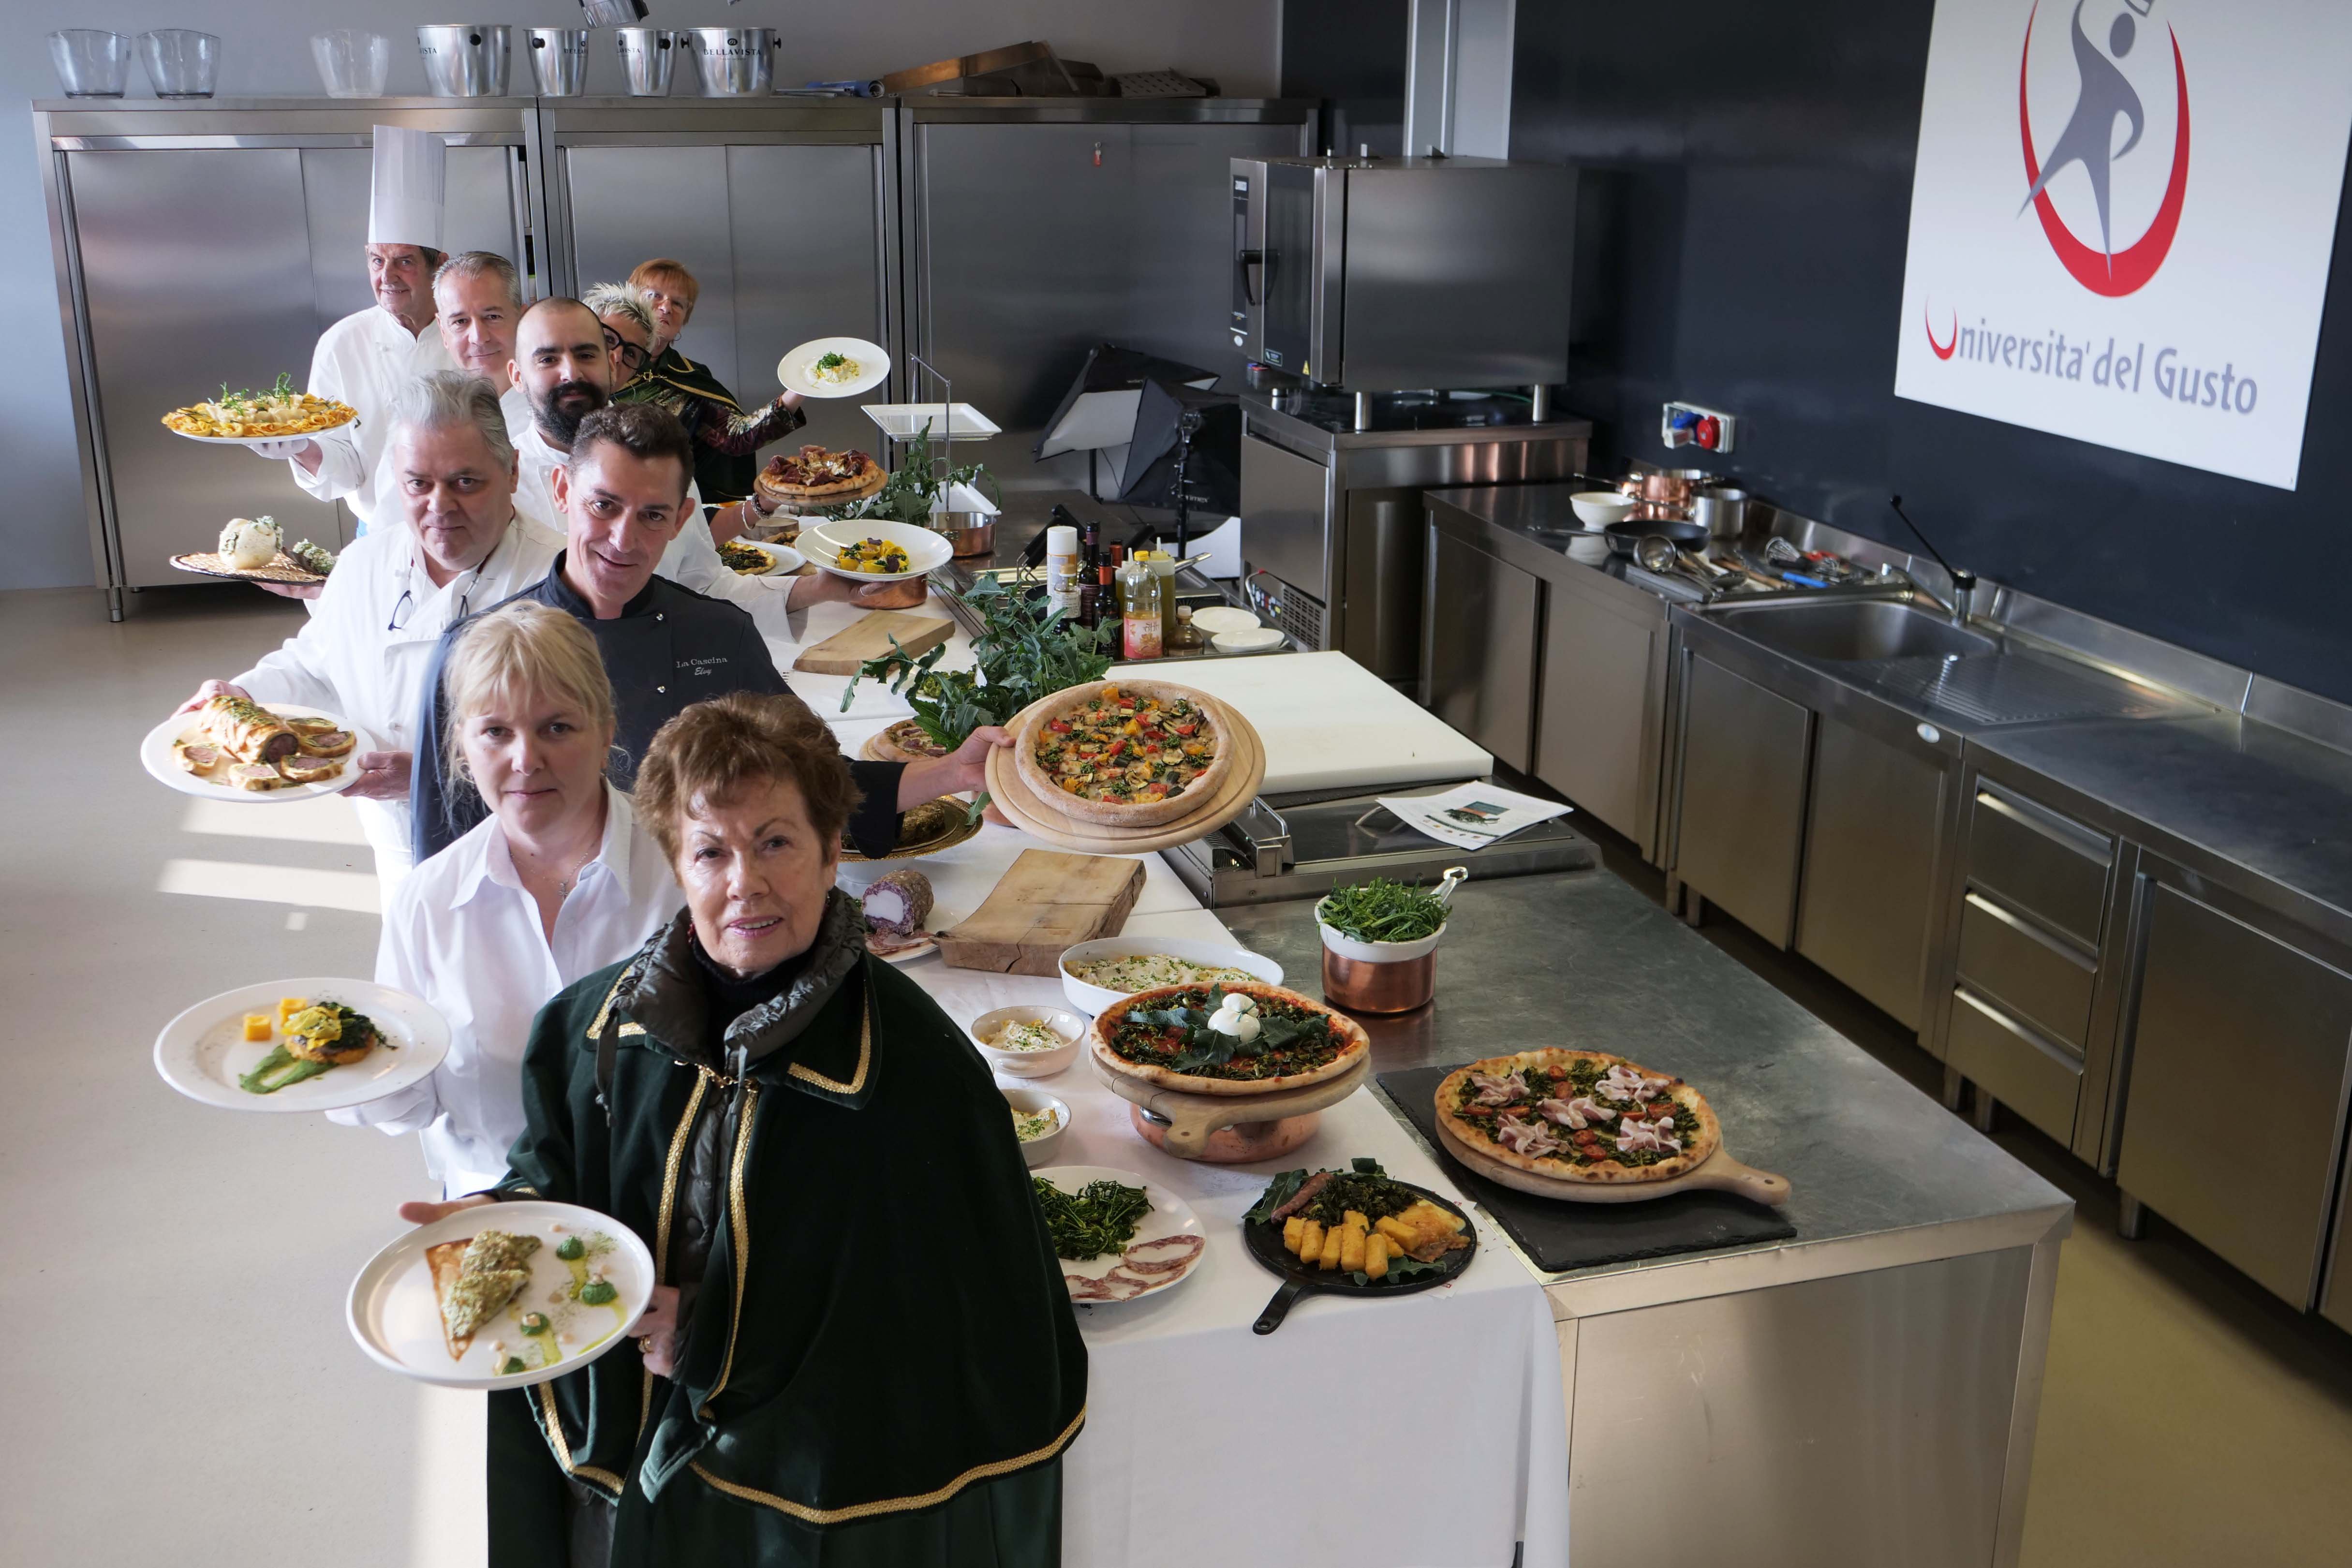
pixel 1355 1232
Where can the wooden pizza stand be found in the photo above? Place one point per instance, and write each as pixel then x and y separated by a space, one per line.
pixel 1224 1129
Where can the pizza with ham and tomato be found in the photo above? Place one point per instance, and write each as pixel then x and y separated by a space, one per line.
pixel 1125 753
pixel 816 474
pixel 1579 1116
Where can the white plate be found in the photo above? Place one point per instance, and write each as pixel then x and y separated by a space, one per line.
pixel 256 441
pixel 1225 618
pixel 1252 640
pixel 873 364
pixel 1170 1215
pixel 1091 1000
pixel 155 755
pixel 785 558
pixel 396 1317
pixel 947 421
pixel 201 1052
pixel 926 551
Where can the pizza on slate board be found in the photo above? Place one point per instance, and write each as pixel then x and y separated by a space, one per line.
pixel 1579 1116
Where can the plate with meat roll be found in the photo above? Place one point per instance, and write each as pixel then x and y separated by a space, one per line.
pixel 233 748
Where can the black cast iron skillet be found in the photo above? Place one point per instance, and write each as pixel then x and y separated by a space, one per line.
pixel 1264 1241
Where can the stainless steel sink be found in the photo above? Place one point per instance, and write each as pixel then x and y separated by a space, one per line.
pixel 1848 631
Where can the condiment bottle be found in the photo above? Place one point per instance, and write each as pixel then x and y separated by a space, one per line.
pixel 1090 549
pixel 1062 570
pixel 1188 637
pixel 1163 566
pixel 1138 610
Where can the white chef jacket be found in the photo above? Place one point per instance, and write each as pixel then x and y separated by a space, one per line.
pixel 462 933
pixel 364 360
pixel 692 559
pixel 349 660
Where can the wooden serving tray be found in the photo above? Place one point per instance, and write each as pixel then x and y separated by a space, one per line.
pixel 1194 1118
pixel 845 650
pixel 1720 1172
pixel 1045 905
pixel 1027 811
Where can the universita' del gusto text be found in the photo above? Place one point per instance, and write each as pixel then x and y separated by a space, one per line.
pixel 2167 374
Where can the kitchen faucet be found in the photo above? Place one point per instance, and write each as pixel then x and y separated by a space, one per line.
pixel 1964 583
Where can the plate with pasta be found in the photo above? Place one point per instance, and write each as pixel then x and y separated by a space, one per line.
pixel 246 416
pixel 833 367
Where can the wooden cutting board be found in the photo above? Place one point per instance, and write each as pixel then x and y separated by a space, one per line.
pixel 843 651
pixel 1047 903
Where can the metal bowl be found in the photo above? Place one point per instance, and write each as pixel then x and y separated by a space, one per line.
pixel 466 59
pixel 968 533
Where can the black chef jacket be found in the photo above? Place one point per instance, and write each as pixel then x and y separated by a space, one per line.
pixel 667 648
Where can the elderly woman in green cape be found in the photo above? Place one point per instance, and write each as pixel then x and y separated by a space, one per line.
pixel 861 1351
pixel 726 440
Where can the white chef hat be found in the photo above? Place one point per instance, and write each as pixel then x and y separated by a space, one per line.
pixel 412 177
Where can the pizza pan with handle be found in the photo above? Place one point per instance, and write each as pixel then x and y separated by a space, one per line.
pixel 1717 1173
pixel 1264 1240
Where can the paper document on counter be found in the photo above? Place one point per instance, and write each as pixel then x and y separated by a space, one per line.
pixel 1471 815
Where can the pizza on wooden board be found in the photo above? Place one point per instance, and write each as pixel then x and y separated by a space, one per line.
pixel 1190 1038
pixel 1579 1116
pixel 816 474
pixel 1125 753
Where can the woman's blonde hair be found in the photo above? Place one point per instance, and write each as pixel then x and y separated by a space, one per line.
pixel 722 745
pixel 524 647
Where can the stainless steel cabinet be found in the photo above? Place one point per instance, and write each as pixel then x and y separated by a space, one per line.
pixel 1868 888
pixel 2233 1128
pixel 1479 623
pixel 1741 813
pixel 1598 722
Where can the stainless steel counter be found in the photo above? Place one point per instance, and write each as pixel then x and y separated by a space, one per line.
pixel 1899 1338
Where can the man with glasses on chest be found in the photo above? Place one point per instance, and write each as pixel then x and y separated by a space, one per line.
pixel 363 654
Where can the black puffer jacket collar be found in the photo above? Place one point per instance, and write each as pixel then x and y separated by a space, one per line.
pixel 665 992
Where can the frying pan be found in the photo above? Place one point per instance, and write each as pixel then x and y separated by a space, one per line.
pixel 1623 536
pixel 1265 1242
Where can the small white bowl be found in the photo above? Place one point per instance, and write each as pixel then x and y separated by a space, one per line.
pixel 1039 1150
pixel 1254 640
pixel 1092 999
pixel 1598 508
pixel 1347 946
pixel 1028 1064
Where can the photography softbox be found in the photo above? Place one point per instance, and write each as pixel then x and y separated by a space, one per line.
pixel 1097 413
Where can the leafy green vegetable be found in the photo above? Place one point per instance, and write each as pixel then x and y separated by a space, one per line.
pixel 1277 1193
pixel 833 361
pixel 1100 1218
pixel 1382 911
pixel 914 488
pixel 1017 659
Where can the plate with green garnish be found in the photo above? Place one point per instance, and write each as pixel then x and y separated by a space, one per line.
pixel 1120 1236
pixel 833 367
pixel 313 1044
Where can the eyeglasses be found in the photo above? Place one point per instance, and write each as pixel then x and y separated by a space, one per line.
pixel 628 352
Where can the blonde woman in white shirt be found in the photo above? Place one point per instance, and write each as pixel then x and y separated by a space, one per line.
pixel 555 884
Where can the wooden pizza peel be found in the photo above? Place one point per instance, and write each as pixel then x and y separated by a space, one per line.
pixel 1717 1173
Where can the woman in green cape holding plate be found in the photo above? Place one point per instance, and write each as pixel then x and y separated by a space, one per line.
pixel 861 1351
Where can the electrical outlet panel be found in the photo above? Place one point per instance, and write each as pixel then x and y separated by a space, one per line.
pixel 1689 424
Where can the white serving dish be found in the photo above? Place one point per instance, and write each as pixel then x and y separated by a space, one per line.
pixel 926 551
pixel 202 1052
pixel 1598 508
pixel 873 365
pixel 393 1312
pixel 948 421
pixel 156 756
pixel 1256 639
pixel 787 559
pixel 1218 618
pixel 1028 1064
pixel 1029 1101
pixel 1091 1000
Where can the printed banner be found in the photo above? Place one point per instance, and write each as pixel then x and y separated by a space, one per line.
pixel 2122 220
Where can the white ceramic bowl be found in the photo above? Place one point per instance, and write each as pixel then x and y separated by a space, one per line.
pixel 1377 951
pixel 1039 1150
pixel 925 551
pixel 1028 1064
pixel 1092 999
pixel 1598 508
pixel 1256 639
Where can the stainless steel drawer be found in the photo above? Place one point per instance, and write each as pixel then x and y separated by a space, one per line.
pixel 2037 860
pixel 2011 1061
pixel 2042 978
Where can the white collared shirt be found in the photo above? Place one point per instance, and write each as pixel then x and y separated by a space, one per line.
pixel 351 660
pixel 364 360
pixel 692 559
pixel 463 934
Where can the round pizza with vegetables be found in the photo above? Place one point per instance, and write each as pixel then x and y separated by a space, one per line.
pixel 1227 1039
pixel 1579 1116
pixel 1125 753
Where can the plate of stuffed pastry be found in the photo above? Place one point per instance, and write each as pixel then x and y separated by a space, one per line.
pixel 233 748
pixel 501 1295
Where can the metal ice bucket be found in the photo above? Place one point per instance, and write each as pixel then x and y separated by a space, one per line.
pixel 736 62
pixel 466 59
pixel 559 60
pixel 648 57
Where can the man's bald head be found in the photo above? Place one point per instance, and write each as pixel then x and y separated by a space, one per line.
pixel 562 361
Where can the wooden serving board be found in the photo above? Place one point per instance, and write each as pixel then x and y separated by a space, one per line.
pixel 1038 817
pixel 1194 1118
pixel 845 650
pixel 1720 1172
pixel 1046 904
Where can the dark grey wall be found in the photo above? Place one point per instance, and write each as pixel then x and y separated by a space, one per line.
pixel 1746 205
pixel 1351 55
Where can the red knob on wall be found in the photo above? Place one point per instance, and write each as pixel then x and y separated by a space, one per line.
pixel 1708 431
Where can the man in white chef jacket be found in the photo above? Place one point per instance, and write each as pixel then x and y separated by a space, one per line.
pixel 460 545
pixel 564 362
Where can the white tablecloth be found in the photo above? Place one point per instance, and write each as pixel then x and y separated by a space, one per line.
pixel 1424 1430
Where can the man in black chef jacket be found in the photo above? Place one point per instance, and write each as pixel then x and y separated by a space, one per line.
pixel 621 494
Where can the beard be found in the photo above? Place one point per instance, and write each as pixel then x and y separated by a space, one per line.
pixel 559 423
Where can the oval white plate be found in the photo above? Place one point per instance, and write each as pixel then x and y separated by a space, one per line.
pixel 926 551
pixel 255 440
pixel 1090 1000
pixel 1249 641
pixel 396 1317
pixel 156 756
pixel 785 559
pixel 201 1052
pixel 873 364
pixel 1215 618
pixel 1170 1215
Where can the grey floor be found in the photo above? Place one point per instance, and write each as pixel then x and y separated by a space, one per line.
pixel 179 1384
